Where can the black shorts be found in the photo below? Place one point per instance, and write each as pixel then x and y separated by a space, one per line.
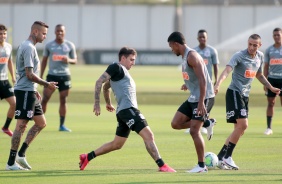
pixel 275 83
pixel 27 105
pixel 6 90
pixel 130 119
pixel 190 109
pixel 64 82
pixel 236 106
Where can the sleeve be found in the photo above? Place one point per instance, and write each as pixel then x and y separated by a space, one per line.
pixel 28 55
pixel 46 52
pixel 215 59
pixel 72 53
pixel 266 56
pixel 115 71
pixel 262 59
pixel 235 59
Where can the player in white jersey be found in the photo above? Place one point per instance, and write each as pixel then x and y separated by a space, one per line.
pixel 60 53
pixel 129 118
pixel 194 111
pixel 6 89
pixel 210 57
pixel 273 72
pixel 28 105
pixel 246 65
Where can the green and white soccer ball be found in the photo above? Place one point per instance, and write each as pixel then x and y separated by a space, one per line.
pixel 211 160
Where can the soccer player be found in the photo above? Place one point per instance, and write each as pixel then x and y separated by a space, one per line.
pixel 6 89
pixel 28 106
pixel 61 53
pixel 128 116
pixel 210 56
pixel 193 112
pixel 273 71
pixel 246 65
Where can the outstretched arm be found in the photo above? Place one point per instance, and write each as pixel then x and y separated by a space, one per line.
pixel 265 83
pixel 103 78
pixel 222 77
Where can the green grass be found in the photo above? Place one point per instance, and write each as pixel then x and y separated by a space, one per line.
pixel 54 155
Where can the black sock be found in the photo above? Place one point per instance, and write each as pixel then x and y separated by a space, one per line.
pixel 23 149
pixel 7 123
pixel 62 120
pixel 230 149
pixel 201 164
pixel 222 152
pixel 206 123
pixel 269 121
pixel 12 157
pixel 91 155
pixel 160 162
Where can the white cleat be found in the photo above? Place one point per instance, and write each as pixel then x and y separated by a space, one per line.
pixel 222 166
pixel 210 128
pixel 230 163
pixel 198 169
pixel 203 130
pixel 23 162
pixel 15 167
pixel 268 132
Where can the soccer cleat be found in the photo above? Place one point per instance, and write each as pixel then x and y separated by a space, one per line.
pixel 222 166
pixel 14 167
pixel 230 163
pixel 7 131
pixel 166 168
pixel 203 130
pixel 83 161
pixel 64 129
pixel 198 169
pixel 268 131
pixel 23 162
pixel 210 128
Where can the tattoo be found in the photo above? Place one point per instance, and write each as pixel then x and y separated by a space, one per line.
pixel 32 133
pixel 98 87
pixel 107 92
pixel 34 78
pixel 18 133
pixel 152 150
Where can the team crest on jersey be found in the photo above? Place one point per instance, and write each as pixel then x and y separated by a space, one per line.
pixel 66 48
pixel 207 53
pixel 243 112
pixel 29 114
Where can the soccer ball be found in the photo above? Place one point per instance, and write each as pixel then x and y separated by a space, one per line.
pixel 211 160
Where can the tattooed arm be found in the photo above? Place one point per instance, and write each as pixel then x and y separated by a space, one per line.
pixel 34 78
pixel 265 82
pixel 107 96
pixel 103 78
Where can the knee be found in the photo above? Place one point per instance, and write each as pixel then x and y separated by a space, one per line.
pixel 175 125
pixel 117 146
pixel 271 104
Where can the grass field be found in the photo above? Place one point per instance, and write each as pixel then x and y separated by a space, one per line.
pixel 54 155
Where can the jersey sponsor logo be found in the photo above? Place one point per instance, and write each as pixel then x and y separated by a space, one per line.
pixel 130 123
pixel 276 61
pixel 207 53
pixel 57 57
pixel 250 74
pixel 206 61
pixel 230 114
pixel 3 60
pixel 185 75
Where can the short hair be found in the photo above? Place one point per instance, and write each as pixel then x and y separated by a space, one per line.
pixel 255 37
pixel 3 27
pixel 202 31
pixel 126 51
pixel 59 25
pixel 40 24
pixel 277 29
pixel 176 37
